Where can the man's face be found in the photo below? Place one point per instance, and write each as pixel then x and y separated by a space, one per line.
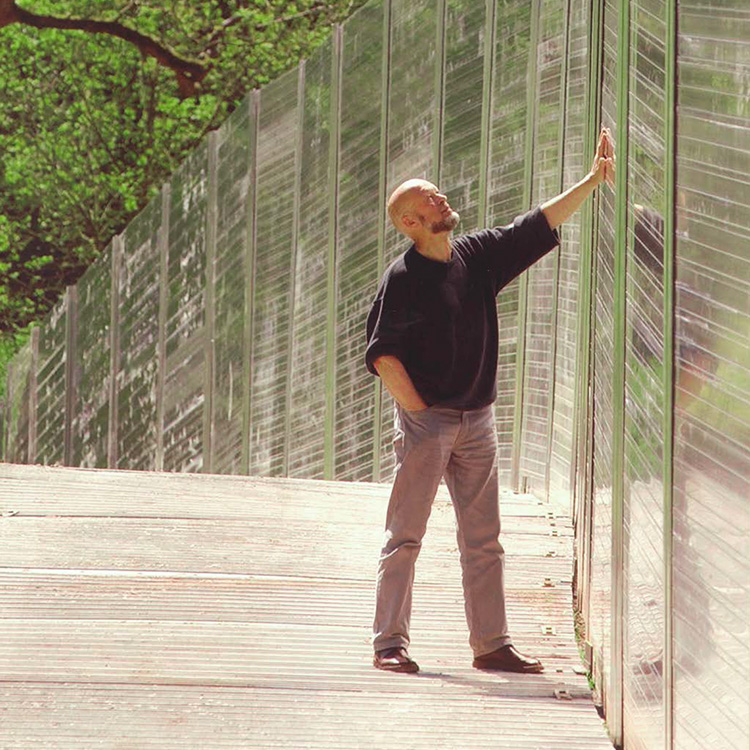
pixel 434 211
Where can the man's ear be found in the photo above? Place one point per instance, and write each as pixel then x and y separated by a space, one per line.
pixel 408 221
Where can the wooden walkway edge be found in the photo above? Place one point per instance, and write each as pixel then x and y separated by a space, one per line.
pixel 145 611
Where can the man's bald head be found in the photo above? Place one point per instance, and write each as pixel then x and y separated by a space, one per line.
pixel 403 198
pixel 409 203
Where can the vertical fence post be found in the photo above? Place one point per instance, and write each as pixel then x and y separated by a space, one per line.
pixel 33 393
pixel 615 713
pixel 7 406
pixel 71 371
pixel 209 301
pixel 557 259
pixel 382 188
pixel 4 432
pixel 253 106
pixel 163 249
pixel 523 282
pixel 670 186
pixel 583 407
pixel 114 352
pixel 297 199
pixel 488 85
pixel 329 462
pixel 439 121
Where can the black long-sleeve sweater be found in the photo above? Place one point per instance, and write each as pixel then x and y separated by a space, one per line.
pixel 440 318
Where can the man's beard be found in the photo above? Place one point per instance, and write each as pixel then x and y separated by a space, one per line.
pixel 446 225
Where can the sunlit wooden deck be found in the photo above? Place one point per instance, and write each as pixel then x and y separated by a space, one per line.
pixel 143 611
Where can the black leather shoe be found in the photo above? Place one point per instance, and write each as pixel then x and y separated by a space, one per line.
pixel 507 659
pixel 394 660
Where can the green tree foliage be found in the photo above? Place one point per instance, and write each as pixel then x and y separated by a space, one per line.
pixel 93 121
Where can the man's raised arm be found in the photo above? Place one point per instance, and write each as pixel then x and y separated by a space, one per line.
pixel 562 207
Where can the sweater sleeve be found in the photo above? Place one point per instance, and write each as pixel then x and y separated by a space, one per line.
pixel 387 325
pixel 510 250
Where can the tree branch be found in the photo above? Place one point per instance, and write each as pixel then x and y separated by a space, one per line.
pixel 317 7
pixel 189 73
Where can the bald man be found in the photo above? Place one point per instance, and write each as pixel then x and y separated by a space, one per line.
pixel 432 338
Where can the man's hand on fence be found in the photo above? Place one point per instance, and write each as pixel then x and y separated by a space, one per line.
pixel 604 161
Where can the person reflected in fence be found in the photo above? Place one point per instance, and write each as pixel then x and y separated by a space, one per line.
pixel 695 366
pixel 432 338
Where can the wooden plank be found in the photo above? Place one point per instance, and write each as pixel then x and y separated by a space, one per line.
pixel 153 611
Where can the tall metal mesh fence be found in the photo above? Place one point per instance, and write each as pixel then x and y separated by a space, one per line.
pixel 223 330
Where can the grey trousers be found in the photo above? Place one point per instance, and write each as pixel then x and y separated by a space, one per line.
pixel 462 447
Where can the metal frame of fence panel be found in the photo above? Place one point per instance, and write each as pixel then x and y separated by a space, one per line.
pixel 33 394
pixel 6 406
pixel 4 413
pixel 385 105
pixel 615 712
pixel 670 187
pixel 209 387
pixel 603 367
pixel 334 157
pixel 4 429
pixel 161 345
pixel 71 370
pixel 466 115
pixel 253 105
pixel 488 87
pixel 581 476
pixel 523 283
pixel 9 454
pixel 114 349
pixel 439 125
pixel 290 363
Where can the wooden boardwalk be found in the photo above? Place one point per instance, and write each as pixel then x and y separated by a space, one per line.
pixel 144 611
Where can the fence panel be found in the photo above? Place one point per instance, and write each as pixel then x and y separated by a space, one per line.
pixel 413 132
pixel 359 222
pixel 307 403
pixel 92 366
pixel 275 223
pixel 604 251
pixel 18 406
pixel 711 563
pixel 184 377
pixel 51 386
pixel 506 196
pixel 644 359
pixel 137 369
pixel 542 276
pixel 464 73
pixel 231 287
pixel 574 168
